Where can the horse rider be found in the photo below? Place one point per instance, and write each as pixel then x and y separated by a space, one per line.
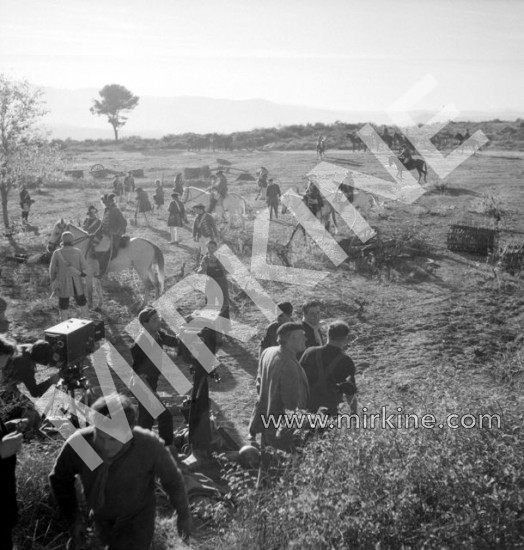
pixel 218 190
pixel 313 198
pixel 405 154
pixel 114 226
pixel 92 222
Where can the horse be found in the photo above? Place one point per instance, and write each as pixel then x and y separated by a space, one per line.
pixel 462 139
pixel 234 204
pixel 411 164
pixel 321 148
pixel 327 214
pixel 140 254
pixel 356 142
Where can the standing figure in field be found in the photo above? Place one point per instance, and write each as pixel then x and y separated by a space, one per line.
pixel 177 217
pixel 92 222
pixel 129 185
pixel 25 203
pixel 281 385
pixel 158 197
pixel 386 137
pixel 321 146
pixel 179 184
pixel 147 365
pixel 218 190
pixel 204 229
pixel 143 206
pixel 262 182
pixel 285 315
pixel 67 271
pixel 211 266
pixel 118 188
pixel 113 226
pixel 273 195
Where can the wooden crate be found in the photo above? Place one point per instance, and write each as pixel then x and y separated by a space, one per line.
pixel 469 238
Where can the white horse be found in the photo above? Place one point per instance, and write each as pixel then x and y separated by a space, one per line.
pixel 234 204
pixel 140 254
pixel 327 214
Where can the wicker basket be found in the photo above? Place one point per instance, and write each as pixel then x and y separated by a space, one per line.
pixel 469 238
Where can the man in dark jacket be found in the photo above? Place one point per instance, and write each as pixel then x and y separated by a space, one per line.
pixel 311 323
pixel 204 228
pixel 120 492
pixel 147 360
pixel 218 190
pixel 285 316
pixel 273 198
pixel 330 372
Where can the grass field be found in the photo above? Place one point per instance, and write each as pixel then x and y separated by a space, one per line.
pixel 433 331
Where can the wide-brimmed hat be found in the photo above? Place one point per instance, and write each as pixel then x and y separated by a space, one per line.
pixel 200 205
pixel 174 194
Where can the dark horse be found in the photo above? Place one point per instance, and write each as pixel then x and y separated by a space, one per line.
pixel 409 164
pixel 356 142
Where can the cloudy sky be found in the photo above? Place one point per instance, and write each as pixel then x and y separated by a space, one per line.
pixel 338 54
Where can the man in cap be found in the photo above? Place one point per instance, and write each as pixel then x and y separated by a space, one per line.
pixel 285 315
pixel 281 385
pixel 218 190
pixel 119 492
pixel 114 226
pixel 147 364
pixel 330 372
pixel 204 229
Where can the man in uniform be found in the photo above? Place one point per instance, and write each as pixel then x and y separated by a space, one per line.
pixel 114 226
pixel 218 191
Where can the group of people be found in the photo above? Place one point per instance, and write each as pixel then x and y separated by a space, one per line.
pixel 299 369
pixel 120 492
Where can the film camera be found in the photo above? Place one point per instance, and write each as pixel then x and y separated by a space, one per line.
pixel 72 341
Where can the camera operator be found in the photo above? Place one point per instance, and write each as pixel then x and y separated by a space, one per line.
pixel 20 367
pixel 146 363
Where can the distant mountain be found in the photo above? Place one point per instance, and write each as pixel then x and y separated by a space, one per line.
pixel 154 117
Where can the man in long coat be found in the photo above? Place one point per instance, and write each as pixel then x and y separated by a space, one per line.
pixel 177 217
pixel 281 385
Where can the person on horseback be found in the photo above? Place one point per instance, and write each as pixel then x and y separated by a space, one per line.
pixel 405 154
pixel 113 226
pixel 313 198
pixel 92 222
pixel 218 190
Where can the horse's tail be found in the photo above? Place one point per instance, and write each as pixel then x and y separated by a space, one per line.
pixel 159 263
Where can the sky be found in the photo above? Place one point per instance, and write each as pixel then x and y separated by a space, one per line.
pixel 334 54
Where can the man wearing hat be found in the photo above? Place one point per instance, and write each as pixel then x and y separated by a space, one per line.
pixel 281 385
pixel 218 190
pixel 114 226
pixel 147 364
pixel 92 222
pixel 285 314
pixel 177 217
pixel 272 198
pixel 67 272
pixel 204 228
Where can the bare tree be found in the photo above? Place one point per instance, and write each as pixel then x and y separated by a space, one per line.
pixel 21 108
pixel 115 100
